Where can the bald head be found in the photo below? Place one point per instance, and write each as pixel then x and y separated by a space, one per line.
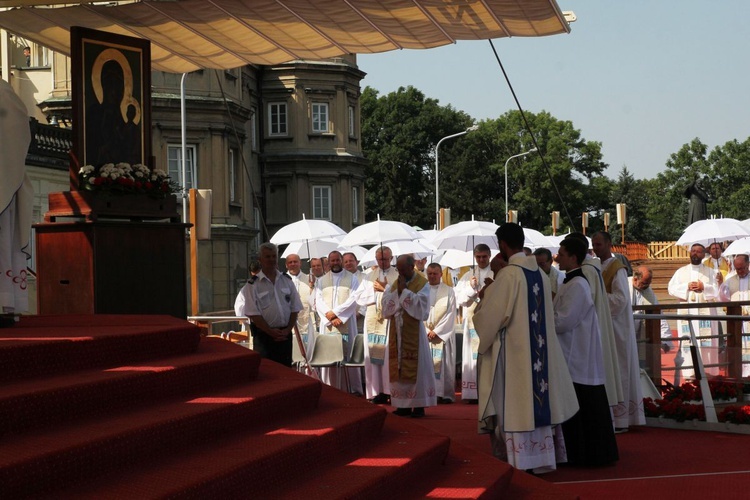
pixel 642 277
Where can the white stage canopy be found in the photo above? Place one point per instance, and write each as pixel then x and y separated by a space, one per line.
pixel 187 35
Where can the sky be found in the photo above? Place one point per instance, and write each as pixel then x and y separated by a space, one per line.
pixel 642 77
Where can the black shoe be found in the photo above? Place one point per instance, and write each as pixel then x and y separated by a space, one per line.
pixel 381 399
pixel 404 412
pixel 471 401
pixel 417 413
pixel 444 401
pixel 7 320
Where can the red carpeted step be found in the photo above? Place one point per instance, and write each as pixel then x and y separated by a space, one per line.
pixel 467 474
pixel 48 460
pixel 275 451
pixel 52 345
pixel 37 403
pixel 402 454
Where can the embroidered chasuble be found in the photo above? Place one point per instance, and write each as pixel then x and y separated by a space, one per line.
pixel 403 368
pixel 538 341
pixel 438 309
pixel 335 294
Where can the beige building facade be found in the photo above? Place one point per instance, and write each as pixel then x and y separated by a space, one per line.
pixel 272 143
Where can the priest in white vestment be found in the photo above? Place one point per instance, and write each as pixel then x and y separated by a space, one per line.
pixel 301 283
pixel 641 293
pixel 737 288
pixel 716 260
pixel 592 271
pixel 697 283
pixel 525 389
pixel 351 264
pixel 16 204
pixel 467 296
pixel 589 436
pixel 335 301
pixel 544 261
pixel 441 334
pixel 377 384
pixel 615 276
pixel 407 304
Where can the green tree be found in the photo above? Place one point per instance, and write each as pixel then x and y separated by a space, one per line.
pixel 477 179
pixel 633 193
pixel 728 180
pixel 399 133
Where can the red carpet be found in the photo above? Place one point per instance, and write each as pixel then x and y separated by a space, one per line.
pixel 654 463
pixel 140 407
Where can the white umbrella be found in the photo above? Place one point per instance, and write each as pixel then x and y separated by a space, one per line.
pixel 357 250
pixel 708 231
pixel 739 247
pixel 309 249
pixel 466 235
pixel 379 232
pixel 534 239
pixel 399 248
pixel 555 240
pixel 306 229
pixel 459 258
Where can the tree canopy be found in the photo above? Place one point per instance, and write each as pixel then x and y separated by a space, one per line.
pixel 400 131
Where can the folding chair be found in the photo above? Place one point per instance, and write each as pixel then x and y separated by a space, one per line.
pixel 356 359
pixel 328 351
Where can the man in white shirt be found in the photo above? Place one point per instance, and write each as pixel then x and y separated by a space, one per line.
pixel 467 296
pixel 697 283
pixel 736 288
pixel 441 334
pixel 271 303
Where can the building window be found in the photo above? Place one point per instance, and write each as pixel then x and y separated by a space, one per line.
pixel 351 121
pixel 322 202
pixel 174 161
pixel 319 117
pixel 355 205
pixel 277 118
pixel 234 175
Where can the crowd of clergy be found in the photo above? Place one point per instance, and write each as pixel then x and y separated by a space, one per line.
pixel 548 349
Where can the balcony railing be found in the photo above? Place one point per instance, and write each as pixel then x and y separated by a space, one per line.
pixel 50 145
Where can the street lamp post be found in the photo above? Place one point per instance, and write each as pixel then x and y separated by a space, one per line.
pixel 437 171
pixel 506 177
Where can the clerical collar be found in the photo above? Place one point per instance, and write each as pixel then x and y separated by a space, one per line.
pixel 572 274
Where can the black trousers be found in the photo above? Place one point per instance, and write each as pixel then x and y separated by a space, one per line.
pixel 268 348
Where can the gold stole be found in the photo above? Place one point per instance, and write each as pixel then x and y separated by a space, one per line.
pixel 405 369
pixel 608 274
pixel 436 314
pixel 343 289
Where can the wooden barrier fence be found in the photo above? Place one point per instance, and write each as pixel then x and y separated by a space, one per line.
pixel 667 250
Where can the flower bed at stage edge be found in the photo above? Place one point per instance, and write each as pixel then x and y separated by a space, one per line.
pixel 681 408
pixel 122 178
